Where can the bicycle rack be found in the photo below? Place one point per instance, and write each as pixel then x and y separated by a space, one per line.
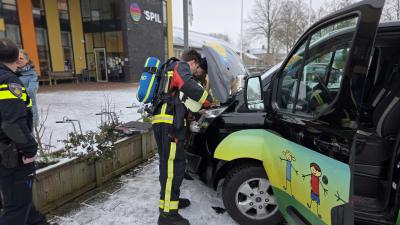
pixel 72 122
pixel 134 105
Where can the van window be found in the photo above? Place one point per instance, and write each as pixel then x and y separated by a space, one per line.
pixel 309 85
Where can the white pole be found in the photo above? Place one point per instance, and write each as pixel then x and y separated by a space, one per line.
pixel 241 33
pixel 185 24
pixel 309 14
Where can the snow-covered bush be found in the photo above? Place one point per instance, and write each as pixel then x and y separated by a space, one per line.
pixel 97 144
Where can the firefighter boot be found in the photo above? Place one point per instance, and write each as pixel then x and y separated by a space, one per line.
pixel 184 203
pixel 172 219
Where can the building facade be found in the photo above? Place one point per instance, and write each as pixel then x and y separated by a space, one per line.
pixel 108 39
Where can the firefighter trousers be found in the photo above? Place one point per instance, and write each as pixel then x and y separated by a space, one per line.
pixel 172 167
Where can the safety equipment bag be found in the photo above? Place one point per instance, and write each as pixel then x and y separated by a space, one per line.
pixel 149 80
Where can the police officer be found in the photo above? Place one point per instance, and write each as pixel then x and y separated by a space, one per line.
pixel 169 124
pixel 17 145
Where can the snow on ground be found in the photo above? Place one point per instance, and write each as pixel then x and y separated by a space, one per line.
pixel 83 105
pixel 136 203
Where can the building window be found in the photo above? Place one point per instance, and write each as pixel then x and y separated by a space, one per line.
pixel 67 49
pixel 86 14
pixel 96 10
pixel 8 4
pixel 43 50
pixel 12 32
pixel 37 7
pixel 115 55
pixel 63 9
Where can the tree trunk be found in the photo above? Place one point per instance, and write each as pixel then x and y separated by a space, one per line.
pixel 269 41
pixel 398 10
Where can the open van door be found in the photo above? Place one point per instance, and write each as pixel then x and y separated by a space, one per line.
pixel 323 186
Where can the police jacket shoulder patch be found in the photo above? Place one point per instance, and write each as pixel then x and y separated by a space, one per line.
pixel 15 89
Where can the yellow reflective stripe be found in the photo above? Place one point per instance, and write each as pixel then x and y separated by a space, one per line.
pixel 162 119
pixel 169 75
pixel 203 97
pixel 167 85
pixel 30 103
pixel 6 86
pixel 163 116
pixel 318 97
pixel 149 88
pixel 173 205
pixel 170 177
pixel 346 121
pixel 164 109
pixel 6 94
pixel 158 63
pixel 147 62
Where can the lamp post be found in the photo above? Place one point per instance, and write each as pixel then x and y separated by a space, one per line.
pixel 185 24
pixel 241 33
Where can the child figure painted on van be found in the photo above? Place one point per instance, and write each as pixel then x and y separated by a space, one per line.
pixel 289 159
pixel 316 174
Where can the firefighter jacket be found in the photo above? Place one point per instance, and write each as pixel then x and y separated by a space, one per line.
pixel 15 114
pixel 171 110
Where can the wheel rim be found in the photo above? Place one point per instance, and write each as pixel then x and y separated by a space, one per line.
pixel 255 199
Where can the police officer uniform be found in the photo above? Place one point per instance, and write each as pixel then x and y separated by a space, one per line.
pixel 16 141
pixel 169 125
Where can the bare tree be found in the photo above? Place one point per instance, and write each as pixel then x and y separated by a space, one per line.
pixel 292 23
pixel 40 129
pixel 391 11
pixel 331 6
pixel 263 21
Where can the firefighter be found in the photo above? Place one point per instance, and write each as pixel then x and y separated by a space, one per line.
pixel 169 124
pixel 17 146
pixel 201 73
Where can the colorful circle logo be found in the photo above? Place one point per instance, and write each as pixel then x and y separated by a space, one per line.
pixel 136 12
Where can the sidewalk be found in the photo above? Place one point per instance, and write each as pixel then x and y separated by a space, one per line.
pixel 133 200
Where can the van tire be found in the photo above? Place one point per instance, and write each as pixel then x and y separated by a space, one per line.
pixel 233 181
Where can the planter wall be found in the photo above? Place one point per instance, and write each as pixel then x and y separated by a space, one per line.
pixel 63 182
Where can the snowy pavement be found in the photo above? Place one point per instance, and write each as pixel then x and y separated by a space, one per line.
pixel 133 198
pixel 135 202
pixel 83 105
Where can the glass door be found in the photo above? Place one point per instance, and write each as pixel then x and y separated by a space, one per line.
pixel 101 64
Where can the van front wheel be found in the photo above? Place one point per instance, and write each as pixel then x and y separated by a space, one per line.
pixel 248 197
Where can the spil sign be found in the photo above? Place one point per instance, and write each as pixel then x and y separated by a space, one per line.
pixel 136 14
pixel 152 16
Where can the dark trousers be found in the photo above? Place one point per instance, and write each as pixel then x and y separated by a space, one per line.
pixel 16 190
pixel 172 167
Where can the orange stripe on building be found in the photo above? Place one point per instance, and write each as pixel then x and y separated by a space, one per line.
pixel 28 31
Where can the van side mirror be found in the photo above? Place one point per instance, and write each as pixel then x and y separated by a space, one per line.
pixel 254 94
